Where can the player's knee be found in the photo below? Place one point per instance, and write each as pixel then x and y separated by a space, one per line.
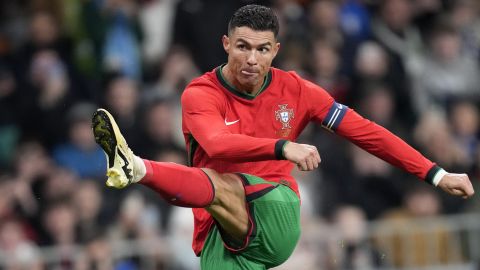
pixel 228 187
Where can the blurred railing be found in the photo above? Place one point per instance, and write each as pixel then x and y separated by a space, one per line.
pixel 446 242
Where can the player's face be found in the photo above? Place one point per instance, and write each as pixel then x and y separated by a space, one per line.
pixel 250 55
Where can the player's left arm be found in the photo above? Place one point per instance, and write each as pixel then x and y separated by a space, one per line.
pixel 380 142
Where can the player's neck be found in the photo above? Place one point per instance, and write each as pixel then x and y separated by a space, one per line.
pixel 230 79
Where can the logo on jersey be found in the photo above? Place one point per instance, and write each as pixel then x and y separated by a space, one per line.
pixel 284 115
pixel 230 123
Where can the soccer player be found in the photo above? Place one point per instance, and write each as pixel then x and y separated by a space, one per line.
pixel 244 116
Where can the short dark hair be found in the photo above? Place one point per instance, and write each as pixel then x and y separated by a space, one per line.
pixel 256 17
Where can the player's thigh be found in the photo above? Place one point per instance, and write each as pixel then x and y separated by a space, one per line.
pixel 229 207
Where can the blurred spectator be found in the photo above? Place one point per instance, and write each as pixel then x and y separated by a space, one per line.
pixel 156 18
pixel 373 175
pixel 88 203
pixel 121 99
pixel 353 250
pixel 465 121
pixel 378 104
pixel 180 230
pixel 81 154
pixel 439 145
pixel 465 18
pixel 177 71
pixel 6 205
pixel 49 98
pixel 14 22
pixel 59 223
pixel 324 21
pixel 446 73
pixel 139 220
pixel 442 146
pixel 425 13
pixel 158 128
pixel 373 66
pixel 32 166
pixel 326 70
pixel 293 23
pixel 454 144
pixel 121 50
pixel 98 255
pixel 293 56
pixel 59 184
pixel 371 63
pixel 45 34
pixel 410 243
pixel 45 61
pixel 9 101
pixel 354 20
pixel 16 249
pixel 394 30
pixel 135 219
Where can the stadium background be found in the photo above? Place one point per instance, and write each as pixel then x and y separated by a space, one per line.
pixel 411 66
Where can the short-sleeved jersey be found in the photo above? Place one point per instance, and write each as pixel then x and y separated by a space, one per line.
pixel 230 131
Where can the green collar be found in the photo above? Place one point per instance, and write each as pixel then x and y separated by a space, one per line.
pixel 233 90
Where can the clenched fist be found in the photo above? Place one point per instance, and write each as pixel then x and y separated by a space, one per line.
pixel 457 184
pixel 305 156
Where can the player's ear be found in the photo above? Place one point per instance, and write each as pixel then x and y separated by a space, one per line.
pixel 226 43
pixel 276 48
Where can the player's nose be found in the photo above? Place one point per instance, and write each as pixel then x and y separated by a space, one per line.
pixel 252 58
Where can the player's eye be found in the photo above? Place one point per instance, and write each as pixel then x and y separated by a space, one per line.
pixel 263 49
pixel 241 46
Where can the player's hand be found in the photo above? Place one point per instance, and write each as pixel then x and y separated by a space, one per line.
pixel 457 184
pixel 305 156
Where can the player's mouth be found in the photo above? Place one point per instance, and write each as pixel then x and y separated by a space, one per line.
pixel 249 73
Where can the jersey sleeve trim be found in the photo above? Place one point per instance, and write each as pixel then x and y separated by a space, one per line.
pixel 334 116
pixel 279 149
pixel 432 173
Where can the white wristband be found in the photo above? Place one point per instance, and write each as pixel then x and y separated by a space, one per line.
pixel 439 176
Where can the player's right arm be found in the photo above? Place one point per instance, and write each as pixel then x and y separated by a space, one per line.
pixel 202 115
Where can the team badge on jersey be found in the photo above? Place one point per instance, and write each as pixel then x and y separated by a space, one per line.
pixel 284 115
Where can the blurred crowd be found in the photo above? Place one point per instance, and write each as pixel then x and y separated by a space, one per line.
pixel 411 66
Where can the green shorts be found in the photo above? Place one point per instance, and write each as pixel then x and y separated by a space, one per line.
pixel 274 230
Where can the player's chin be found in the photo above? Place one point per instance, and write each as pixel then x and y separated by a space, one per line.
pixel 249 81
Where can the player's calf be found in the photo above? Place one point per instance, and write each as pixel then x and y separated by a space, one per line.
pixel 177 184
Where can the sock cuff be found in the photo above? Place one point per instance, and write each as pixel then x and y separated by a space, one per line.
pixel 148 169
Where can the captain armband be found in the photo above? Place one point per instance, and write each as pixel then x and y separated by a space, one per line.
pixel 334 117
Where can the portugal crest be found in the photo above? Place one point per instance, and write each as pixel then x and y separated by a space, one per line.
pixel 284 115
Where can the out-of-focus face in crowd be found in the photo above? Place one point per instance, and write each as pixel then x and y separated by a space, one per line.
pixel 43 28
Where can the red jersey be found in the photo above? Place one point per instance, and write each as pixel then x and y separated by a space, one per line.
pixel 230 131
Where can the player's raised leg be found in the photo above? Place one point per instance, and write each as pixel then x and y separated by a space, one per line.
pixel 221 194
